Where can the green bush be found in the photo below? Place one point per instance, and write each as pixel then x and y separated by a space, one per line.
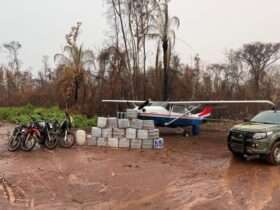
pixel 22 115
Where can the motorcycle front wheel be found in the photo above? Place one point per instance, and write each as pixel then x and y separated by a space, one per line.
pixel 14 142
pixel 28 143
pixel 68 141
pixel 51 142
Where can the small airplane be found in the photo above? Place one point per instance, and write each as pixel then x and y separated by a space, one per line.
pixel 174 114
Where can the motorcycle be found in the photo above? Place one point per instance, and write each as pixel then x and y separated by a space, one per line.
pixel 39 131
pixel 63 131
pixel 16 137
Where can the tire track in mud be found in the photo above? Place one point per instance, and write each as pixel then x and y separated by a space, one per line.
pixel 251 184
pixel 7 190
pixel 14 195
pixel 202 184
pixel 187 193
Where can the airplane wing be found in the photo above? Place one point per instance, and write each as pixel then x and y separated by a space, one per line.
pixel 123 101
pixel 196 102
pixel 222 102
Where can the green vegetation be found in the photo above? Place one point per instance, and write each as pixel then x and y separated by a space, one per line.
pixel 22 115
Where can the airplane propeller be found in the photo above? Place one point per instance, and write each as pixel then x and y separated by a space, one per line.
pixel 146 103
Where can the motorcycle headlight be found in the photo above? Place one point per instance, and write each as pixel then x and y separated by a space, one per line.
pixel 258 136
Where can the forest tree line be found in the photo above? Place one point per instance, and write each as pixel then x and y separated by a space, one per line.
pixel 82 77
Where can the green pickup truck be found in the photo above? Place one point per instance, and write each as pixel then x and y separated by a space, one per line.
pixel 259 136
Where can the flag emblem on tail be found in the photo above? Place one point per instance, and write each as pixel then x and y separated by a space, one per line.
pixel 206 112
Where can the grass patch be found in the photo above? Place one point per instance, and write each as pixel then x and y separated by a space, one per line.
pixel 21 115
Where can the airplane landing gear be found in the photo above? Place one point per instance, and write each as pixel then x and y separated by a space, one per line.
pixel 186 133
pixel 191 131
pixel 195 130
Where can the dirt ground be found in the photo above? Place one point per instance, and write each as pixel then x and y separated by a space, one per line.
pixel 196 173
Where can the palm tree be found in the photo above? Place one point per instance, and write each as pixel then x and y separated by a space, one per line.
pixel 75 61
pixel 163 29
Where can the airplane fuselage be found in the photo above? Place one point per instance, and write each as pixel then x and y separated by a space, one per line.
pixel 168 118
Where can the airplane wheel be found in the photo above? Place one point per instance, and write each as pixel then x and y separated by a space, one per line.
pixel 186 133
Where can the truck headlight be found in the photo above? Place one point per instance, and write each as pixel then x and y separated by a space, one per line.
pixel 258 136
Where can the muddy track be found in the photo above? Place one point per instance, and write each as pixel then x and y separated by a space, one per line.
pixel 15 195
pixel 194 173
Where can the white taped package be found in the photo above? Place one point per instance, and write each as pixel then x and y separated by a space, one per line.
pixel 92 141
pixel 131 114
pixel 131 133
pixel 81 137
pixel 159 143
pixel 147 144
pixel 118 132
pixel 136 123
pixel 136 144
pixel 142 134
pixel 148 124
pixel 123 123
pixel 101 122
pixel 112 122
pixel 102 142
pixel 107 132
pixel 96 132
pixel 113 142
pixel 153 133
pixel 124 143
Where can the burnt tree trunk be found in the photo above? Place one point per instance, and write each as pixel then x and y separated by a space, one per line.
pixel 76 89
pixel 165 70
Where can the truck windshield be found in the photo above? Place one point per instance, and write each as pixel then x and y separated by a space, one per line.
pixel 268 117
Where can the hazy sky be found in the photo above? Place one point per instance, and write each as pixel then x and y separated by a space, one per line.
pixel 210 27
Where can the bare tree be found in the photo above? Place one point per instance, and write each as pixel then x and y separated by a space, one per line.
pixel 2 83
pixel 122 15
pixel 13 48
pixel 259 57
pixel 46 68
pixel 162 29
pixel 195 77
pixel 75 61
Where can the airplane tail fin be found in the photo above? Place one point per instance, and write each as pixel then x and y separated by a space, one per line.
pixel 206 112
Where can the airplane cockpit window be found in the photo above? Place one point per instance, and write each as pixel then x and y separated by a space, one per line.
pixel 179 109
pixel 163 104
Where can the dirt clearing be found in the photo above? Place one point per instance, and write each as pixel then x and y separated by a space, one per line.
pixel 190 173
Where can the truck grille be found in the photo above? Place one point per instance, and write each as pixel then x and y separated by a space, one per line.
pixel 241 135
pixel 238 140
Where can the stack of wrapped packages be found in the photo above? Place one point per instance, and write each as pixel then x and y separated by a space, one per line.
pixel 129 133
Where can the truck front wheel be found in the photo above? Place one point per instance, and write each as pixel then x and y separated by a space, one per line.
pixel 274 156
